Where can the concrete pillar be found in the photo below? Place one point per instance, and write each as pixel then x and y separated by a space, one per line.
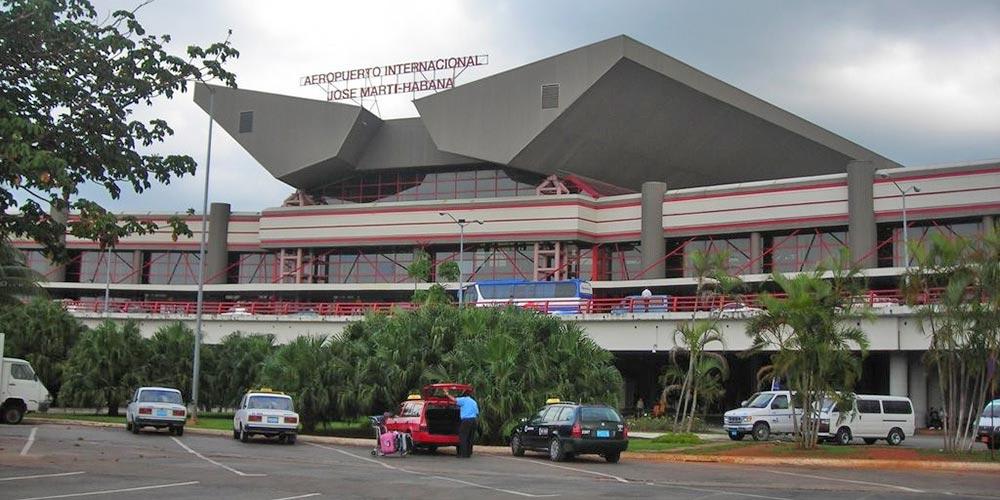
pixel 217 248
pixel 899 368
pixel 918 388
pixel 861 213
pixel 756 254
pixel 989 222
pixel 654 245
pixel 57 272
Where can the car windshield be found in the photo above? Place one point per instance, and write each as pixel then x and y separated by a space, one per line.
pixel 760 400
pixel 829 405
pixel 270 403
pixel 991 410
pixel 158 396
pixel 598 414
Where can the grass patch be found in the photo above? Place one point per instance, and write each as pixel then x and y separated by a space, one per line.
pixel 224 421
pixel 678 438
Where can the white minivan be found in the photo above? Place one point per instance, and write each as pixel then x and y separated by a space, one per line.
pixel 988 430
pixel 20 389
pixel 765 413
pixel 870 418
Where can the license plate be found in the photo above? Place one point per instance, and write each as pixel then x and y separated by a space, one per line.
pixel 603 433
pixel 161 413
pixel 272 420
pixel 733 433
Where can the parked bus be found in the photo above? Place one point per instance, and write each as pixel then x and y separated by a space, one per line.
pixel 554 297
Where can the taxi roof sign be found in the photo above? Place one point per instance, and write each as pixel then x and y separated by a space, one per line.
pixel 552 401
pixel 413 397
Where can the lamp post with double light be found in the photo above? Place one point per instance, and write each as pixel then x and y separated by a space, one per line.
pixel 903 193
pixel 461 251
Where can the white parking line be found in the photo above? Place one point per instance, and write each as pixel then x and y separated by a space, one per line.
pixel 417 473
pixel 31 441
pixel 300 496
pixel 108 492
pixel 39 476
pixel 585 471
pixel 719 492
pixel 209 460
pixel 826 478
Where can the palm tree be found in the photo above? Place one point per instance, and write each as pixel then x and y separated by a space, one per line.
pixel 105 366
pixel 170 360
pixel 810 331
pixel 17 280
pixel 42 332
pixel 691 342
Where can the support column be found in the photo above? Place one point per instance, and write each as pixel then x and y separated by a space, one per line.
pixel 918 388
pixel 899 369
pixel 989 222
pixel 861 213
pixel 57 271
pixel 654 245
pixel 756 254
pixel 217 248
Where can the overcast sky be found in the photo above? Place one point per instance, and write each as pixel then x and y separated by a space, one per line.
pixel 918 82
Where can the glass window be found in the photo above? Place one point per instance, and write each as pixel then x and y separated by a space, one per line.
pixel 411 409
pixel 172 268
pixel 897 407
pixel 551 414
pixel 780 403
pixel 540 416
pixel 736 249
pixel 445 185
pixel 803 252
pixel 595 414
pixel 21 371
pixel 869 406
pixel 567 414
pixel 93 266
pixel 991 410
pixel 160 396
pixel 759 400
pixel 270 403
pixel 257 268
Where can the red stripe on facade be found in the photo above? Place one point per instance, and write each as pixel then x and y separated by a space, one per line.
pixel 907 177
pixel 702 196
pixel 443 207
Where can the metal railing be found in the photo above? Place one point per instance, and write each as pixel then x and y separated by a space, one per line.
pixel 614 305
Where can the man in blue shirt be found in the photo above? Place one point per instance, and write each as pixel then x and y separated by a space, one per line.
pixel 468 412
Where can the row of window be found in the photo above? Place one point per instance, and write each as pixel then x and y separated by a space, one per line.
pixel 789 252
pixel 414 186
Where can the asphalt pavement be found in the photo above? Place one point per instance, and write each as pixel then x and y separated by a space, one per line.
pixel 64 461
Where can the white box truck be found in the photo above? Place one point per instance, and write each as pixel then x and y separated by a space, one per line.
pixel 20 390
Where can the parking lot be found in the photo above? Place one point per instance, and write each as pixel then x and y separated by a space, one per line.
pixel 61 461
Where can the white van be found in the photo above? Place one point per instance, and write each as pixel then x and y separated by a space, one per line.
pixel 20 390
pixel 870 418
pixel 765 413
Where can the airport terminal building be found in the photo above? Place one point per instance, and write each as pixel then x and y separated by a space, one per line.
pixel 609 163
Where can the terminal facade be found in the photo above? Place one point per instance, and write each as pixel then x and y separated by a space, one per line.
pixel 609 163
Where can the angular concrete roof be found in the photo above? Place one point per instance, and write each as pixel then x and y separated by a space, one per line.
pixel 626 113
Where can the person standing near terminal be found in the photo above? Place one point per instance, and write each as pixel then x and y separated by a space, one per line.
pixel 468 412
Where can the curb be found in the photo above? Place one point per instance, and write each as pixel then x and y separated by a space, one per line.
pixel 819 462
pixel 642 456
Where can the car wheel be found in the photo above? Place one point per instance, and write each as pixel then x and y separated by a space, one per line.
pixel 516 448
pixel 613 458
pixel 236 434
pixel 844 437
pixel 895 437
pixel 737 437
pixel 291 439
pixel 870 440
pixel 282 439
pixel 135 428
pixel 556 452
pixel 244 435
pixel 179 431
pixel 761 431
pixel 995 443
pixel 13 414
pixel 431 449
pixel 128 425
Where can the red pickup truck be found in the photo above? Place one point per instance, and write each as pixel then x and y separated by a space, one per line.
pixel 431 419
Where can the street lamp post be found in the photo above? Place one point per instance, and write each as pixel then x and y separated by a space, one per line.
pixel 906 239
pixel 107 282
pixel 201 263
pixel 461 251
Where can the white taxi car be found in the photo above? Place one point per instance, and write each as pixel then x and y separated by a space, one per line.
pixel 266 413
pixel 158 407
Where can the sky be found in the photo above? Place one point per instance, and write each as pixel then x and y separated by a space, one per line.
pixel 915 81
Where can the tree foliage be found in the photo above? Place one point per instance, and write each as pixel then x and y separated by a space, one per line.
pixel 43 333
pixel 963 324
pixel 69 85
pixel 17 280
pixel 814 329
pixel 170 358
pixel 105 366
pixel 236 366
